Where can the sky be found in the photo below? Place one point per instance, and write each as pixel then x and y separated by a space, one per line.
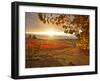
pixel 33 24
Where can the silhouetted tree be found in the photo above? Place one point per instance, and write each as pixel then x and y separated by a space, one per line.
pixel 34 37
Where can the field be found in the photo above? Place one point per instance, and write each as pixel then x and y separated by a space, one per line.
pixel 54 53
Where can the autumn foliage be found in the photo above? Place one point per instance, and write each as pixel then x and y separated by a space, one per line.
pixel 72 24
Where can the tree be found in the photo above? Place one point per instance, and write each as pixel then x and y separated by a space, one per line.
pixel 82 21
pixel 34 37
pixel 72 24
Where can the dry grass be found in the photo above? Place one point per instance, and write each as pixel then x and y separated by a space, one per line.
pixel 68 55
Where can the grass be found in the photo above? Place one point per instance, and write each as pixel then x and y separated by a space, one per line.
pixel 54 53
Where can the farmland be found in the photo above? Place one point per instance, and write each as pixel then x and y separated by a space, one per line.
pixel 54 53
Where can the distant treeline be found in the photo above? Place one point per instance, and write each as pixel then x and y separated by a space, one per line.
pixel 30 36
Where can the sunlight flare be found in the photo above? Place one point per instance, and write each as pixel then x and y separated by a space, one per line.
pixel 50 33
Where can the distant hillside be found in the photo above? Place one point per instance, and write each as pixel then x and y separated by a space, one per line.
pixel 39 36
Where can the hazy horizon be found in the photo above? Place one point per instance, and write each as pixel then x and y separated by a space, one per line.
pixel 46 36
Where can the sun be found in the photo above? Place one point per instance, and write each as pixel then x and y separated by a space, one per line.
pixel 50 33
pixel 53 33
